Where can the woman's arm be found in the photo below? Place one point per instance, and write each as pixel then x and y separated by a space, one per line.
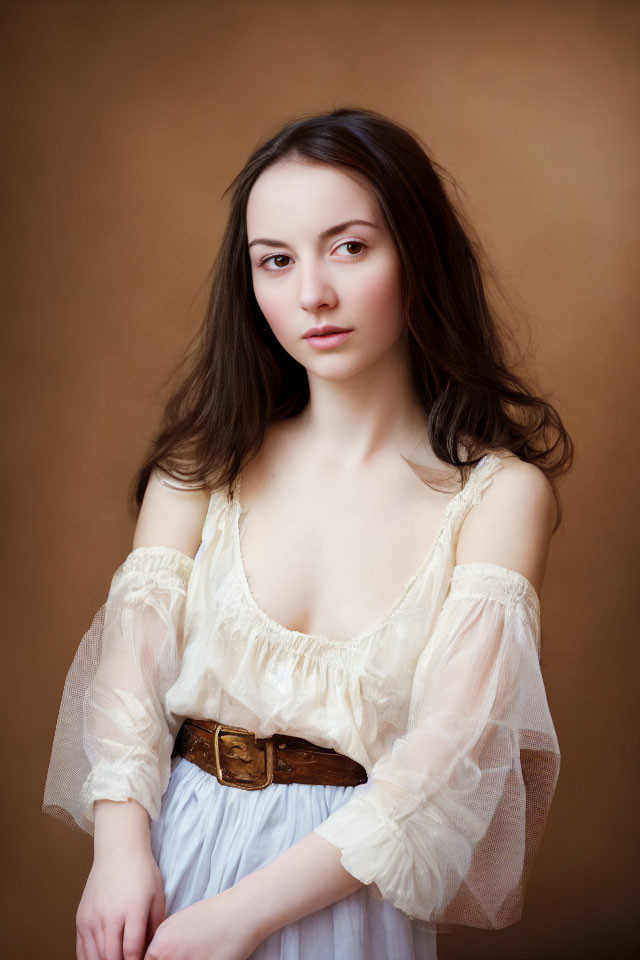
pixel 114 818
pixel 513 524
pixel 169 517
pixel 111 757
pixel 111 737
pixel 305 878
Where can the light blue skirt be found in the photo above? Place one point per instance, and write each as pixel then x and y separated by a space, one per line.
pixel 208 836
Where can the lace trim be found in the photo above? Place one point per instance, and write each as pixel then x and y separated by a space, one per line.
pixel 480 479
pixel 159 559
pixel 509 585
pixel 217 513
pixel 482 579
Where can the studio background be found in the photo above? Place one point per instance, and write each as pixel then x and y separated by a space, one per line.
pixel 124 123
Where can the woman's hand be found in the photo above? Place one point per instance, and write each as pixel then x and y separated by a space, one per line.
pixel 122 904
pixel 217 928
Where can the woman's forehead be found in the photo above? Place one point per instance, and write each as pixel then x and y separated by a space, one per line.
pixel 295 194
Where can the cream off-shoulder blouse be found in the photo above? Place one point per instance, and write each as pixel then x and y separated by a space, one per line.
pixel 441 700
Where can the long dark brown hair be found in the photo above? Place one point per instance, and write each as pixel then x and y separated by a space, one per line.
pixel 235 378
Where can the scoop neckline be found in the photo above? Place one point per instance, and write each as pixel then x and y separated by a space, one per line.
pixel 279 628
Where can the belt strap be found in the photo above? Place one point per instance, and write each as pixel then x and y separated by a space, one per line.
pixel 238 759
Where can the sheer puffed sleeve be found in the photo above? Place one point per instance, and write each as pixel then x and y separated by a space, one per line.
pixel 449 822
pixel 113 738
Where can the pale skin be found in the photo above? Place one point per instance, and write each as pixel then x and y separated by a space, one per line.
pixel 351 522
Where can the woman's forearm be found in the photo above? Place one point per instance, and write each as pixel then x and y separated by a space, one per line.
pixel 305 878
pixel 117 820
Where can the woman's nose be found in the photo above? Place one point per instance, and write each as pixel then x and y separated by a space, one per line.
pixel 315 289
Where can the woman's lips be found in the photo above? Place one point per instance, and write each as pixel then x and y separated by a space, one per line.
pixel 328 340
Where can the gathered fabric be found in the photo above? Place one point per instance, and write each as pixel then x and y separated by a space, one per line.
pixel 441 700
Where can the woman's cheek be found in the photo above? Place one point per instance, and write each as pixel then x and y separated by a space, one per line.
pixel 268 303
pixel 379 297
pixel 275 313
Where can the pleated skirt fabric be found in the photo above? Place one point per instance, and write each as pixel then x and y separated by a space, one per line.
pixel 208 836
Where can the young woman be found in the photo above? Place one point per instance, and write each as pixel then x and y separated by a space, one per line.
pixel 309 721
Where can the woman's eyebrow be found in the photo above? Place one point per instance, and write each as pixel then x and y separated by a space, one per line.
pixel 329 232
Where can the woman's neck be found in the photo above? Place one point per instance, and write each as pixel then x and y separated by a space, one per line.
pixel 350 422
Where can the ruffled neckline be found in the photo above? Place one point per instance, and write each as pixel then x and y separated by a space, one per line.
pixel 236 508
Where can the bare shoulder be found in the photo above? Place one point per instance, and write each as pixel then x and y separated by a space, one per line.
pixel 171 516
pixel 518 485
pixel 512 525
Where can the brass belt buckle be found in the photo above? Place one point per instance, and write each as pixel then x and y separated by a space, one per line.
pixel 268 754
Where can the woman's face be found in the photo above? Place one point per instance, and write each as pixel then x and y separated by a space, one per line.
pixel 313 267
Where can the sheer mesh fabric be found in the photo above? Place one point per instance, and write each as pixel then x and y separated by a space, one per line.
pixel 113 736
pixel 451 817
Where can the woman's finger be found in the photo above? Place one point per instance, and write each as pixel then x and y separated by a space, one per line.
pixel 113 941
pixel 90 946
pixel 98 936
pixel 134 939
pixel 157 914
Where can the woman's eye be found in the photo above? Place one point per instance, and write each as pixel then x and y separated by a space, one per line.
pixel 277 258
pixel 274 257
pixel 352 243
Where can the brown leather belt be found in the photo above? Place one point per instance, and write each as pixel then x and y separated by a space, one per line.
pixel 238 759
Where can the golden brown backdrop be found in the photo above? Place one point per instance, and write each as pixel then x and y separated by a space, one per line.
pixel 123 124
